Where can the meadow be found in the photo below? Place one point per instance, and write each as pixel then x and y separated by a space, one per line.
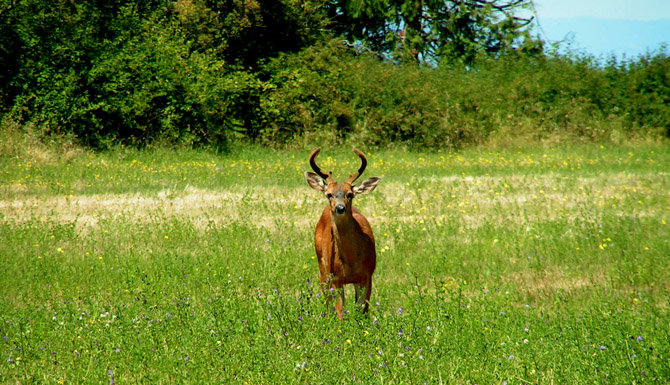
pixel 495 266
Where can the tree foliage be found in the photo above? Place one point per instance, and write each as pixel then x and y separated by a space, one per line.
pixel 204 72
pixel 435 30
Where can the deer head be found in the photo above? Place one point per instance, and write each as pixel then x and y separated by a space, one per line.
pixel 340 195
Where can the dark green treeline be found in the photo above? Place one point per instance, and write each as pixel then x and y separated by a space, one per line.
pixel 204 73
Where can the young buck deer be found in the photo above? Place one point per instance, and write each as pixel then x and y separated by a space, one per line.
pixel 345 245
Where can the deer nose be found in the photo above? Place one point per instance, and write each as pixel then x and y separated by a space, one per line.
pixel 340 209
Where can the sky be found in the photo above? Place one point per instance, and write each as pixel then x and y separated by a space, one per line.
pixel 606 27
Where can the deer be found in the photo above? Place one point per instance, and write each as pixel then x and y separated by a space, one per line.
pixel 344 242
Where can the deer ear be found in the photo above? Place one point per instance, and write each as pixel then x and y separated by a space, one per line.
pixel 316 182
pixel 367 185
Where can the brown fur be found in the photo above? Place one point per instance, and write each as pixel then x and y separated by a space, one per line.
pixel 344 242
pixel 346 254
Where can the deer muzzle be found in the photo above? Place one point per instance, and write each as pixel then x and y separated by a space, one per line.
pixel 340 209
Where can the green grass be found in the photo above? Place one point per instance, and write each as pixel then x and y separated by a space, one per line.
pixel 519 266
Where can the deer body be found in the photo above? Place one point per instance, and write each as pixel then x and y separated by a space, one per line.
pixel 344 242
pixel 345 250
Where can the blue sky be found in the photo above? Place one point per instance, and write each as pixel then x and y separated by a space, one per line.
pixel 605 27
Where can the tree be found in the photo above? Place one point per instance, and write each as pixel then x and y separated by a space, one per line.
pixel 434 30
pixel 247 32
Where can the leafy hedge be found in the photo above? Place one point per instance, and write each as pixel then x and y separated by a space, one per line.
pixel 326 92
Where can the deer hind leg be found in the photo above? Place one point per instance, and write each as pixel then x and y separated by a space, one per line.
pixel 359 289
pixel 363 299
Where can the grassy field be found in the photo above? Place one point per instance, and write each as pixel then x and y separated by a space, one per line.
pixel 494 267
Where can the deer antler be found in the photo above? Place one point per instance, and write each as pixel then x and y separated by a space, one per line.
pixel 364 163
pixel 312 162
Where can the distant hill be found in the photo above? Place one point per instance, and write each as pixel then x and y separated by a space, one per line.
pixel 603 37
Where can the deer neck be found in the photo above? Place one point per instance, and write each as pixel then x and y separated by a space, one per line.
pixel 343 227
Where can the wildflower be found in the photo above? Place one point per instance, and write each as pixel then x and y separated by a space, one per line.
pixel 400 332
pixel 399 310
pixel 639 338
pixel 299 318
pixel 602 347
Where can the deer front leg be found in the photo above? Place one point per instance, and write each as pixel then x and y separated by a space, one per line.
pixel 338 291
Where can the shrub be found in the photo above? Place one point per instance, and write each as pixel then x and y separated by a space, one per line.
pixel 331 93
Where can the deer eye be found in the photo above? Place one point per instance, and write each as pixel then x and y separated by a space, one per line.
pixel 329 196
pixel 350 195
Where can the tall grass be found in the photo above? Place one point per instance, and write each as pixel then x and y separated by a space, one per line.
pixel 495 266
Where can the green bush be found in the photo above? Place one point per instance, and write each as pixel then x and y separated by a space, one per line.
pixel 329 93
